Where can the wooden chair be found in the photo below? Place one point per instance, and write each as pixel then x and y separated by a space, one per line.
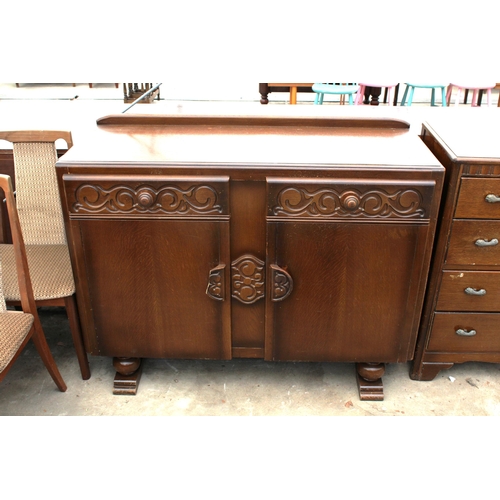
pixel 42 225
pixel 17 328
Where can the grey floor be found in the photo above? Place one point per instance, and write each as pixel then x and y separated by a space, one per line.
pixel 229 388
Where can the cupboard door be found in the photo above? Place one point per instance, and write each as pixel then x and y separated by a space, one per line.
pixel 348 260
pixel 151 253
pixel 354 290
pixel 157 287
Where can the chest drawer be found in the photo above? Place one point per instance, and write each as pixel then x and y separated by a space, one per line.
pixel 474 242
pixel 479 198
pixel 469 291
pixel 465 333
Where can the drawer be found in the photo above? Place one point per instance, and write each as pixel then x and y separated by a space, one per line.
pixel 474 243
pixel 483 329
pixel 367 199
pixel 469 291
pixel 136 196
pixel 479 198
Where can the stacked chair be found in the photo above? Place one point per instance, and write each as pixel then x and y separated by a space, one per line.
pixel 18 327
pixel 42 225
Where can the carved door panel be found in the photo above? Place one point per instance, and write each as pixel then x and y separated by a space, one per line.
pixel 153 275
pixel 346 270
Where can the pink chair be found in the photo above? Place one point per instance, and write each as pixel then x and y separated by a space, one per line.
pixel 362 86
pixel 475 87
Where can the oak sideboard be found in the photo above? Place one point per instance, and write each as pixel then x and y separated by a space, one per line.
pixel 280 238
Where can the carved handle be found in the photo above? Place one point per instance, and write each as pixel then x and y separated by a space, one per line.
pixel 492 198
pixel 486 243
pixel 465 333
pixel 282 283
pixel 473 291
pixel 215 287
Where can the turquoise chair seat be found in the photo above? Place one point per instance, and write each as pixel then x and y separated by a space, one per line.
pixel 410 88
pixel 334 88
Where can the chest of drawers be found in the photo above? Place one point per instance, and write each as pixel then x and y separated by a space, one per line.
pixel 286 239
pixel 461 318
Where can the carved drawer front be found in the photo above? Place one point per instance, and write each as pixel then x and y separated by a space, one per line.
pixel 474 243
pixel 139 195
pixel 479 198
pixel 471 332
pixel 349 199
pixel 469 291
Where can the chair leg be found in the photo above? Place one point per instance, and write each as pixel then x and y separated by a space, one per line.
pixel 403 101
pixel 360 95
pixel 443 97
pixel 76 333
pixel 433 96
pixel 474 98
pixel 410 97
pixel 48 360
pixel 389 96
pixel 488 94
pixel 316 99
pixel 448 94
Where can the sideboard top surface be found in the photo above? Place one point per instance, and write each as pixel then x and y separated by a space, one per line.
pixel 255 141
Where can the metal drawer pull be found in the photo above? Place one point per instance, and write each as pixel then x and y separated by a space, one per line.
pixel 473 291
pixel 486 243
pixel 492 198
pixel 465 333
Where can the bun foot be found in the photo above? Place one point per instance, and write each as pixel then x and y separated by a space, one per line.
pixel 128 375
pixel 369 378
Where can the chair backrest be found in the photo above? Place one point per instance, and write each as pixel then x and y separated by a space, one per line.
pixel 17 329
pixel 24 281
pixel 37 195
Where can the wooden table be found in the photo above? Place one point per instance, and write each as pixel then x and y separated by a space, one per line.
pixel 283 238
pixel 293 88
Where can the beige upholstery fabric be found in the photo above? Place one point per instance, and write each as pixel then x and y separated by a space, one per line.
pixel 2 297
pixel 14 326
pixel 50 271
pixel 37 197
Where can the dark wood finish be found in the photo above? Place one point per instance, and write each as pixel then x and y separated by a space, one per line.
pixel 128 376
pixel 460 319
pixel 303 239
pixel 369 380
pixel 469 291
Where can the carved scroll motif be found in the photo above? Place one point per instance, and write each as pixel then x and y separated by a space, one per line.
pixel 328 202
pixel 282 283
pixel 215 287
pixel 247 275
pixel 198 199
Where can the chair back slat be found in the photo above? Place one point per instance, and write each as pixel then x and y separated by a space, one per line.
pixel 38 201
